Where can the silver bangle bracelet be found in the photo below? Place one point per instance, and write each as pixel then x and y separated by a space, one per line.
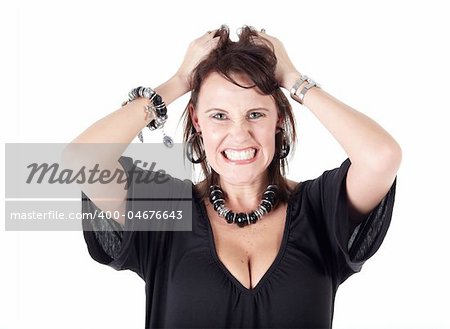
pixel 297 84
pixel 310 84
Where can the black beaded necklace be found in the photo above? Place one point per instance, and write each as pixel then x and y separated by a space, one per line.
pixel 268 202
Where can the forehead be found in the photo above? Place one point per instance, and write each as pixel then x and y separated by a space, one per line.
pixel 218 92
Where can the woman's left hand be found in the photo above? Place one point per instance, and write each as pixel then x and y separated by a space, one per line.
pixel 285 72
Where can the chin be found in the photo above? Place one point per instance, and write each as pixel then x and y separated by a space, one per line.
pixel 240 176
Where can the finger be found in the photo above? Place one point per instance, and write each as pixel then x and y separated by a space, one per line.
pixel 210 33
pixel 213 43
pixel 260 39
pixel 262 34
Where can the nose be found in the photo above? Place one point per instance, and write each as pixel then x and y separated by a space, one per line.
pixel 240 131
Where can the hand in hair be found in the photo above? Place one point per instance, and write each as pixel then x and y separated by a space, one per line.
pixel 285 71
pixel 197 50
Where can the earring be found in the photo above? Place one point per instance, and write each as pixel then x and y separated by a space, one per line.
pixel 284 147
pixel 190 148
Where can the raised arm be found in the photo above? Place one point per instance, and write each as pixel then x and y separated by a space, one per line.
pixel 119 128
pixel 374 154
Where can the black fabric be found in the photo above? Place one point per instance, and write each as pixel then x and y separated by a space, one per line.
pixel 188 287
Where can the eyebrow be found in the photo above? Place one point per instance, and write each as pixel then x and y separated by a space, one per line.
pixel 250 110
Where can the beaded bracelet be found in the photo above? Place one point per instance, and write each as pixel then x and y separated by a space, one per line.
pixel 156 107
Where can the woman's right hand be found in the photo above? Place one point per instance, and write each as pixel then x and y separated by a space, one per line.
pixel 196 52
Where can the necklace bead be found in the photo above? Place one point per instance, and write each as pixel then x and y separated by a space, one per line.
pixel 268 202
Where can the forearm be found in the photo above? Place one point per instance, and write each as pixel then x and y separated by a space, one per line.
pixel 122 125
pixel 117 130
pixel 365 142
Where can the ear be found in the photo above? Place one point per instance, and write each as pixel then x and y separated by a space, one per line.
pixel 194 117
pixel 280 121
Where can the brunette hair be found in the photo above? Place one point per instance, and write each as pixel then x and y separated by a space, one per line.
pixel 254 57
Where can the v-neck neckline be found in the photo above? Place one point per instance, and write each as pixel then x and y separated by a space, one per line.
pixel 276 261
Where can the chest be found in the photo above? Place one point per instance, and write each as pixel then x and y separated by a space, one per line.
pixel 248 252
pixel 297 292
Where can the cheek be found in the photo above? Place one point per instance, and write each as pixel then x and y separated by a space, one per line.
pixel 266 136
pixel 211 138
pixel 270 144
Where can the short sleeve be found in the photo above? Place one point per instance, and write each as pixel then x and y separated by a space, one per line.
pixel 124 247
pixel 350 249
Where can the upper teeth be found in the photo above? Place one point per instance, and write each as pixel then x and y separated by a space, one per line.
pixel 240 155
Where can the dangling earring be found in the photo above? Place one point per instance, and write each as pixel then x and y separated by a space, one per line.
pixel 190 148
pixel 284 147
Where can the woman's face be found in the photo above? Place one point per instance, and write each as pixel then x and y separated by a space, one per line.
pixel 238 127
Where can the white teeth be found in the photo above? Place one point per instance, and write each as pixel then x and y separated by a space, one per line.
pixel 240 155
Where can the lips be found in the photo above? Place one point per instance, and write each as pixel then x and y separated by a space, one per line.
pixel 239 155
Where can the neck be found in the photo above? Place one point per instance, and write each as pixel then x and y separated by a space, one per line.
pixel 243 197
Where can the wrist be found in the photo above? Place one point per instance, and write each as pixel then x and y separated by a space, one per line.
pixel 290 79
pixel 184 80
pixel 172 89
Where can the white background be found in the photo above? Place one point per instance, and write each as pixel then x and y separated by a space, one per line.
pixel 66 64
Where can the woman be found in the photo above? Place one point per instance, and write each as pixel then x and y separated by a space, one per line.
pixel 264 251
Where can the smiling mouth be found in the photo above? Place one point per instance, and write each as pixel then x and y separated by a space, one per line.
pixel 234 155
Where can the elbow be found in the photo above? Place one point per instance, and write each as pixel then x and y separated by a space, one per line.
pixel 388 158
pixel 68 156
pixel 75 156
pixel 72 156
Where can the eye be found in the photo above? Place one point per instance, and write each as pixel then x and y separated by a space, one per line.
pixel 255 115
pixel 219 116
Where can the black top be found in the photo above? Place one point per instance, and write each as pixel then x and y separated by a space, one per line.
pixel 187 286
